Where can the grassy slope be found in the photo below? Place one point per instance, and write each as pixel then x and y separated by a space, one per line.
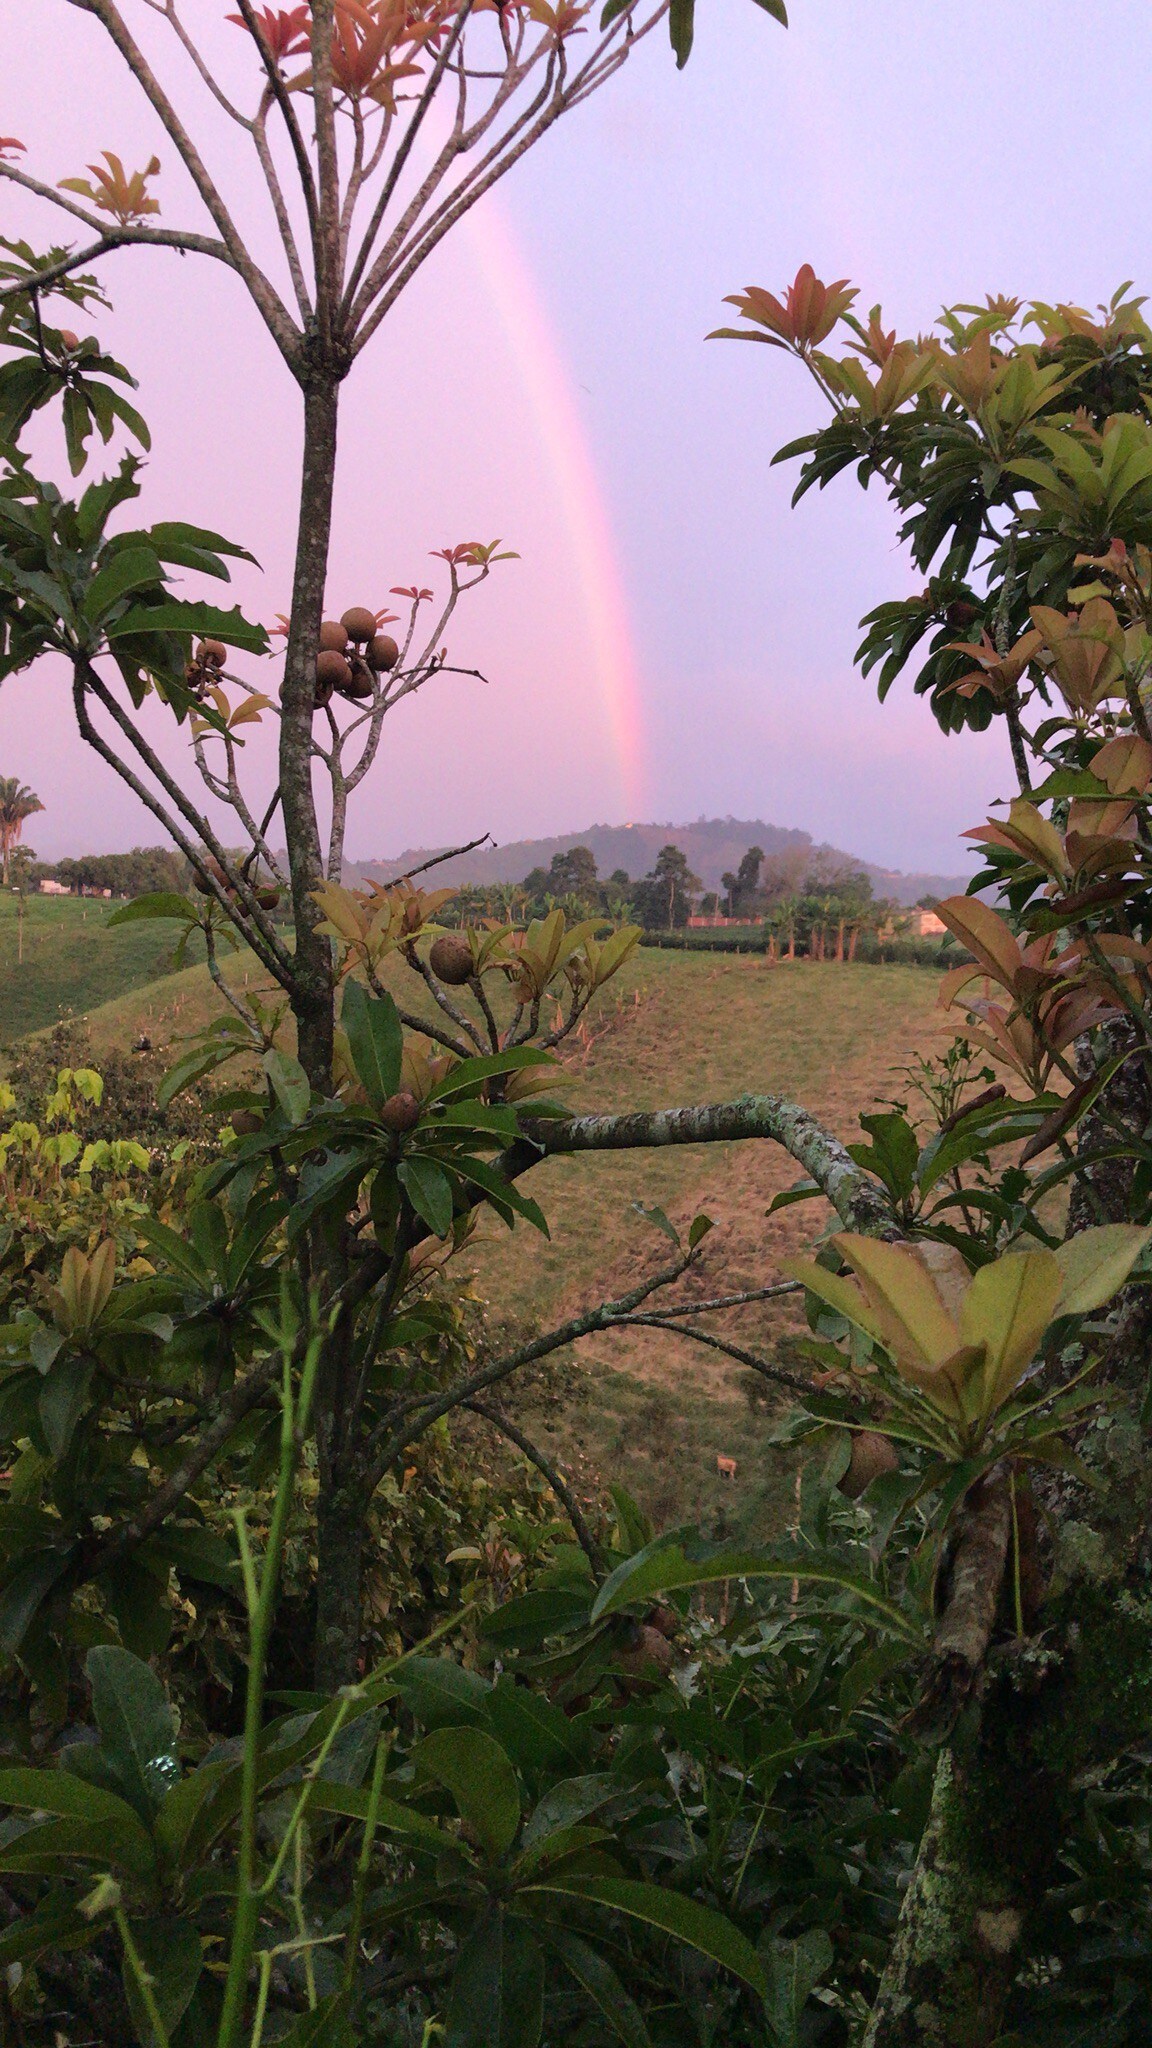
pixel 657 1410
pixel 680 1028
pixel 71 960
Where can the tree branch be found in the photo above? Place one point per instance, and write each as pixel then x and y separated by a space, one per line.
pixel 853 1194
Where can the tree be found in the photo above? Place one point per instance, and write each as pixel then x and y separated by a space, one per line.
pixel 361 177
pixel 17 803
pixel 742 888
pixel 573 873
pixel 663 899
pixel 1021 468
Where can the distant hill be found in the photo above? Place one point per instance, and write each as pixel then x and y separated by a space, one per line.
pixel 713 846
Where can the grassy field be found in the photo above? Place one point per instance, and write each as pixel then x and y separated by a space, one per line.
pixel 71 960
pixel 654 1410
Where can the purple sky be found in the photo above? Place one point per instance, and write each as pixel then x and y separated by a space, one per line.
pixel 929 151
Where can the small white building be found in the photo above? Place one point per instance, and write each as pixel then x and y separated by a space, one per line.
pixel 50 888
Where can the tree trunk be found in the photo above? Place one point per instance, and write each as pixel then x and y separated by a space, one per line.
pixel 313 1003
pixel 957 1946
pixel 340 1538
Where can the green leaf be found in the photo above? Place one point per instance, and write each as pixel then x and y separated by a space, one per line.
pixel 63 1397
pixel 375 1040
pixel 698 1926
pixel 475 1770
pixel 77 427
pixel 24 1593
pixel 776 9
pixel 671 1562
pixel 290 1084
pixel 526 1622
pixel 175 616
pixel 794 1968
pixel 467 1076
pixel 429 1193
pixel 71 1797
pixel 135 1723
pixel 601 1984
pixel 326 2026
pixel 681 15
pixel 1095 1263
pixel 124 569
pixel 160 903
pixel 535 1732
pixel 173 1956
pixel 497 1998
pixel 893 1154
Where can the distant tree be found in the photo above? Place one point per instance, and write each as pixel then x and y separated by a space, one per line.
pixel 17 802
pixel 573 873
pixel 743 888
pixel 663 900
pixel 145 869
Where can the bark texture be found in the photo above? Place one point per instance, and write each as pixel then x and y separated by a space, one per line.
pixel 313 1001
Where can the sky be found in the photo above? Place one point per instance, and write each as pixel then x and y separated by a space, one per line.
pixel 675 640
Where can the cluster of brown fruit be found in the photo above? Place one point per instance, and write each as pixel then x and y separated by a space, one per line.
pixel 351 654
pixel 208 658
pixel 266 893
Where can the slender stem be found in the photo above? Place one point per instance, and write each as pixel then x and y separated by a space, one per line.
pixel 262 1593
pixel 364 1860
pixel 142 1979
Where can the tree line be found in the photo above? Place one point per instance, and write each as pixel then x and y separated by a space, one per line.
pixel 808 903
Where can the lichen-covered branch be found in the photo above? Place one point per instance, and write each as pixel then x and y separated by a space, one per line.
pixel 853 1194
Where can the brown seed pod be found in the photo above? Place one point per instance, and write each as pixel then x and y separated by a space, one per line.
pixel 333 638
pixel 332 673
pixel 246 1123
pixel 217 873
pixel 359 684
pixel 358 623
pixel 401 1112
pixel 451 958
pixel 648 1656
pixel 211 653
pixel 268 897
pixel 872 1454
pixel 69 340
pixel 382 653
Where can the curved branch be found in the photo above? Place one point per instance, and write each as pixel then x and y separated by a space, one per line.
pixel 422 1410
pixel 853 1194
pixel 84 677
pixel 551 1473
pixel 267 300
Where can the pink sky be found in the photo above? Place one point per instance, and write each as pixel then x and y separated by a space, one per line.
pixel 928 154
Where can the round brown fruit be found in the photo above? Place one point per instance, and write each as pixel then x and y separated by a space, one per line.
pixel 333 638
pixel 69 340
pixel 246 1123
pixel 872 1454
pixel 360 679
pixel 217 873
pixel 647 1656
pixel 383 652
pixel 211 653
pixel 359 624
pixel 268 898
pixel 332 673
pixel 401 1112
pixel 451 959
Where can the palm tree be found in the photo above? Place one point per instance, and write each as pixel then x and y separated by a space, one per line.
pixel 16 803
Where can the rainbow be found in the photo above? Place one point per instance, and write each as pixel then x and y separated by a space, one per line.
pixel 547 388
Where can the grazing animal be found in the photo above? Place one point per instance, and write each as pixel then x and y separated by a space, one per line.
pixel 726 1467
